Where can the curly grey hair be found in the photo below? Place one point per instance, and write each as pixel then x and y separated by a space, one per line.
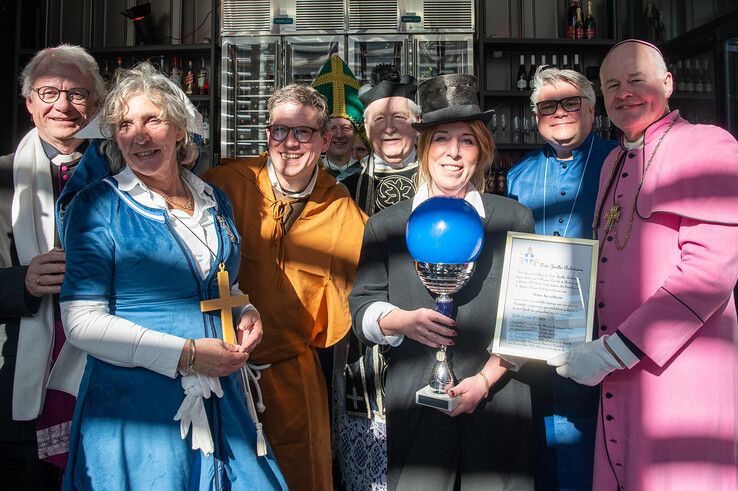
pixel 65 55
pixel 147 80
pixel 304 95
pixel 548 75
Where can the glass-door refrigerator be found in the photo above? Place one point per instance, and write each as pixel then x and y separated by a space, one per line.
pixel 250 74
pixel 367 51
pixel 442 54
pixel 305 55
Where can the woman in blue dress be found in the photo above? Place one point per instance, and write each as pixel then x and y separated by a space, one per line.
pixel 144 247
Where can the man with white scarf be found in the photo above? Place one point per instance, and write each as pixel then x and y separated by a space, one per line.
pixel 62 88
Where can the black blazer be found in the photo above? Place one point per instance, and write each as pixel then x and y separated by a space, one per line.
pixel 427 449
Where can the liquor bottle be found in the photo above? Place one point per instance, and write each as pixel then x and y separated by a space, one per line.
pixel 189 79
pixel 651 21
pixel 579 25
pixel 554 61
pixel 708 78
pixel 205 127
pixel 689 81
pixel 532 71
pixel 590 27
pixel 522 82
pixel 106 75
pixel 576 67
pixel 175 74
pixel 203 85
pixel 571 20
pixel 162 63
pixel 681 77
pixel 565 63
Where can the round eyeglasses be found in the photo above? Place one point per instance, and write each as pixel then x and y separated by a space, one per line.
pixel 49 94
pixel 279 132
pixel 569 104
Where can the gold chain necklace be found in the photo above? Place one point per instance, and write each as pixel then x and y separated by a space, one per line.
pixel 613 215
pixel 172 201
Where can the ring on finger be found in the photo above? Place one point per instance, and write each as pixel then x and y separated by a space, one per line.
pixel 38 280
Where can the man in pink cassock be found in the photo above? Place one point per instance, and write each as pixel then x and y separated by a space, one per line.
pixel 667 221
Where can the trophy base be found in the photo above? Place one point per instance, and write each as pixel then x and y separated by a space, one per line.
pixel 427 397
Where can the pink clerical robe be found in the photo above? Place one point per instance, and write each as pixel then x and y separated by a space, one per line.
pixel 669 423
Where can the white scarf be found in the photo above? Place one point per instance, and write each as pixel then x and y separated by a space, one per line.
pixel 33 232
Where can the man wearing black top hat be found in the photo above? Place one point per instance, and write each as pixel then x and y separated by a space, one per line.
pixel 387 176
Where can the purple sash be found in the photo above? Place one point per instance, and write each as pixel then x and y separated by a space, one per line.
pixel 55 420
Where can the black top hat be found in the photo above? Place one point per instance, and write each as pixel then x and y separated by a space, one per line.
pixel 386 81
pixel 450 98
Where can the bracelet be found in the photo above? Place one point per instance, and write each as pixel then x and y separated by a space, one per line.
pixel 486 383
pixel 190 367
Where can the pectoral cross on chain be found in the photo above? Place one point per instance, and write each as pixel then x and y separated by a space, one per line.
pixel 612 217
pixel 355 398
pixel 225 302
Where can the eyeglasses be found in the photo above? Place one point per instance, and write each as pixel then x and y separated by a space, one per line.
pixel 49 94
pixel 569 104
pixel 280 132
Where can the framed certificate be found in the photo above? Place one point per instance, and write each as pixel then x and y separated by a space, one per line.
pixel 547 295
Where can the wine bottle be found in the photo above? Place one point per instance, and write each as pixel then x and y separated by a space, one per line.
pixel 681 77
pixel 571 20
pixel 543 60
pixel 203 85
pixel 699 85
pixel 565 63
pixel 522 82
pixel 577 67
pixel 590 27
pixel 106 74
pixel 189 79
pixel 162 65
pixel 175 74
pixel 689 81
pixel 532 71
pixel 579 25
pixel 708 77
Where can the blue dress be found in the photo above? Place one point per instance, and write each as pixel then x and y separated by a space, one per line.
pixel 564 412
pixel 123 432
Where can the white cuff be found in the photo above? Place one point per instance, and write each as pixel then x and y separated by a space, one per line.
pixel 370 324
pixel 615 342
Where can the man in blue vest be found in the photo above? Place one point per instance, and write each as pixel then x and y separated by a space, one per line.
pixel 559 183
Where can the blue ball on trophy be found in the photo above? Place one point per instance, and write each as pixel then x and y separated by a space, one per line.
pixel 444 230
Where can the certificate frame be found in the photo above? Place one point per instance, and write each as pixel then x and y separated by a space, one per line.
pixel 538 315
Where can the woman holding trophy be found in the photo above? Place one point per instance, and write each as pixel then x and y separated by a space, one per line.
pixel 483 440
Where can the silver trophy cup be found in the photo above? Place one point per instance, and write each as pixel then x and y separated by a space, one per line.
pixel 444 280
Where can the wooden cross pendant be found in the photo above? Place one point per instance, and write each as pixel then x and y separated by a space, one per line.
pixel 612 217
pixel 225 302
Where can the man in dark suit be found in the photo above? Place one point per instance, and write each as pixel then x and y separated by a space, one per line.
pixel 62 87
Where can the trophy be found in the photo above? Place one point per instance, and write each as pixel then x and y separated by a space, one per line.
pixel 444 236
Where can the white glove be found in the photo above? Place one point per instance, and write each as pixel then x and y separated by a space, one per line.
pixel 192 411
pixel 588 363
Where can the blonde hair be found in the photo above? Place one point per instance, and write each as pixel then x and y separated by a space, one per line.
pixel 486 152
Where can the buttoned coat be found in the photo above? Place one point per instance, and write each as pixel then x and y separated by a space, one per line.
pixel 491 448
pixel 669 423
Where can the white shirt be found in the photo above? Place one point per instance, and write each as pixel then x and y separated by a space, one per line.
pixel 88 323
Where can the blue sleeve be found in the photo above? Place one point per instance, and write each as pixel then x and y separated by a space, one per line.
pixel 91 168
pixel 90 247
